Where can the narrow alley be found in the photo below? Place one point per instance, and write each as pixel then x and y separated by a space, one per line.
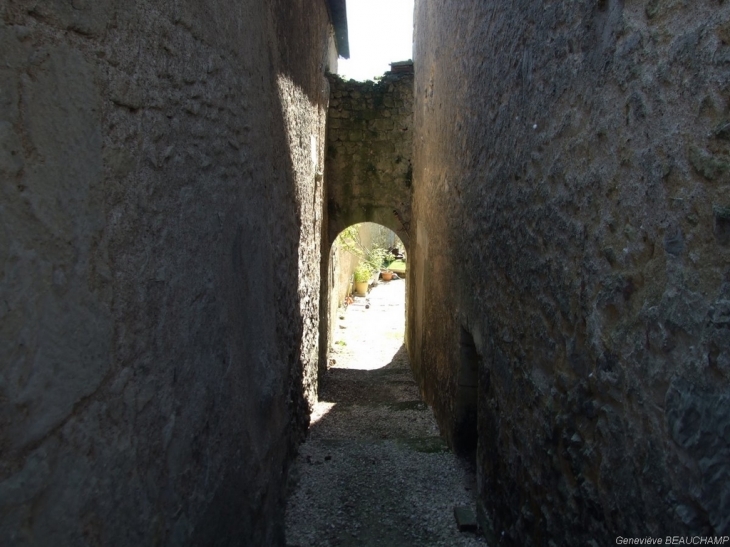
pixel 183 189
pixel 374 470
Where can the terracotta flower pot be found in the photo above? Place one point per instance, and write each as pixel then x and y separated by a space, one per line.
pixel 386 275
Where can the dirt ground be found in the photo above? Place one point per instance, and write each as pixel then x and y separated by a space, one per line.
pixel 374 470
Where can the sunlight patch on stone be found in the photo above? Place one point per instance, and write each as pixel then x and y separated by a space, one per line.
pixel 319 411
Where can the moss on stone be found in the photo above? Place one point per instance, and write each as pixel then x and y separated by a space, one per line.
pixel 708 165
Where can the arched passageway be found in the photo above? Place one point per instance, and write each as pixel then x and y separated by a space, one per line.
pixel 375 469
pixel 368 169
pixel 358 253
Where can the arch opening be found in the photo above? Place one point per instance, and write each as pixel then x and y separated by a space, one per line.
pixel 363 257
pixel 465 436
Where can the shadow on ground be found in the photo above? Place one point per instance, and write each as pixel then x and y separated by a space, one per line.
pixel 374 470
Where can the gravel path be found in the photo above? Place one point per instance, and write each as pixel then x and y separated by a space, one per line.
pixel 374 470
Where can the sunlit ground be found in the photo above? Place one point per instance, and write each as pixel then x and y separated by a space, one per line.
pixel 319 411
pixel 370 332
pixel 368 335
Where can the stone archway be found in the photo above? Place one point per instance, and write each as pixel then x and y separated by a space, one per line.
pixel 369 150
pixel 368 165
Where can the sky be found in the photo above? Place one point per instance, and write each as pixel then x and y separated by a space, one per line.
pixel 380 32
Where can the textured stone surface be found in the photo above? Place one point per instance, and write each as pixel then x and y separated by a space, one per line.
pixel 367 176
pixel 369 148
pixel 160 229
pixel 341 265
pixel 572 159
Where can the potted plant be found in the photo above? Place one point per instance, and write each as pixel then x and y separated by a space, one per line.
pixel 386 275
pixel 362 279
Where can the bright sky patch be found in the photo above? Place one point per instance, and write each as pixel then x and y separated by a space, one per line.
pixel 380 32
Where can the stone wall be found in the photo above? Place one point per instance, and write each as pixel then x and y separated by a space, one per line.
pixel 369 148
pixel 341 266
pixel 367 174
pixel 570 232
pixel 160 229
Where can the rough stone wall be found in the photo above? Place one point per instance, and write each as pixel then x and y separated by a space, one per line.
pixel 159 252
pixel 342 264
pixel 571 194
pixel 369 149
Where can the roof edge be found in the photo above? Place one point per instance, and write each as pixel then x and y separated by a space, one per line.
pixel 338 16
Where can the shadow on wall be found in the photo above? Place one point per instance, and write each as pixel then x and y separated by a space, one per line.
pixel 161 375
pixel 465 435
pixel 587 210
pixel 301 96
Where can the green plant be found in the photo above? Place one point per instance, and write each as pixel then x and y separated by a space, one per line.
pixel 349 239
pixel 373 258
pixel 363 272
